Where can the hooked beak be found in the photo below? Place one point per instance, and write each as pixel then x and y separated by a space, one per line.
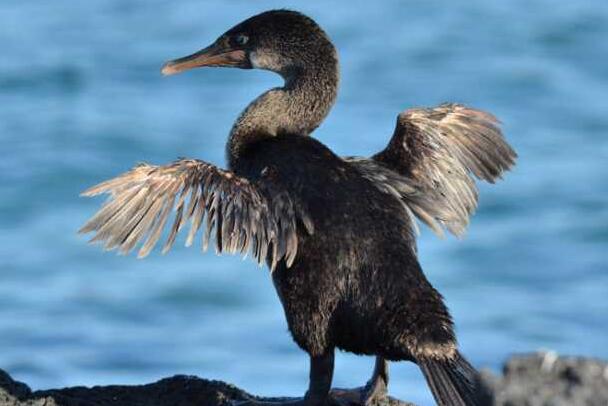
pixel 214 55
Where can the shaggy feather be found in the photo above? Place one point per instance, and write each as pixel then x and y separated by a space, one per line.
pixel 239 211
pixel 439 151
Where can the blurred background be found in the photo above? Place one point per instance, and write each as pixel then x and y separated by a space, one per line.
pixel 82 100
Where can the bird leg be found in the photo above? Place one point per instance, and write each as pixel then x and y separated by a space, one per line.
pixel 373 393
pixel 321 374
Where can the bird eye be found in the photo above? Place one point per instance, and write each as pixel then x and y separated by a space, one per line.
pixel 241 39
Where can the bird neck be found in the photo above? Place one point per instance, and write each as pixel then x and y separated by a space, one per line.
pixel 298 107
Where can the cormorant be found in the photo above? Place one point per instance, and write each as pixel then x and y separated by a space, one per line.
pixel 338 233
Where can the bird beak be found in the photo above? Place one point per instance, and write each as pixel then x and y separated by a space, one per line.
pixel 214 55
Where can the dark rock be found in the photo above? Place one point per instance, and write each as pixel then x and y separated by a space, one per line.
pixel 179 390
pixel 543 379
pixel 175 391
pixel 546 379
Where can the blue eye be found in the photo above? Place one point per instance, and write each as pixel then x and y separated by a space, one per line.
pixel 241 39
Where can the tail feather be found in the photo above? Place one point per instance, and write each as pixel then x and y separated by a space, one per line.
pixel 453 382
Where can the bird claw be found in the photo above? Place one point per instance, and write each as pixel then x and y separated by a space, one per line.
pixel 363 396
pixel 372 394
pixel 337 397
pixel 283 402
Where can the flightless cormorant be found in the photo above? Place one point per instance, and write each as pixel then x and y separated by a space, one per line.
pixel 338 233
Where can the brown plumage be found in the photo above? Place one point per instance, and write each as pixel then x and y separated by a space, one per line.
pixel 438 151
pixel 246 216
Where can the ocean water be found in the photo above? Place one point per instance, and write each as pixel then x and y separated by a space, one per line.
pixel 81 100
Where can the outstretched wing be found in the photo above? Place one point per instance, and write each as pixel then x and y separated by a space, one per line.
pixel 242 216
pixel 439 151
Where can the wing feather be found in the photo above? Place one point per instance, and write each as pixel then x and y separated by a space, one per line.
pixel 241 216
pixel 439 152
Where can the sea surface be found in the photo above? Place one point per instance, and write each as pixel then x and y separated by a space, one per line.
pixel 82 100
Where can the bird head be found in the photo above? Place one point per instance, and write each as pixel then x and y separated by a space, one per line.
pixel 281 41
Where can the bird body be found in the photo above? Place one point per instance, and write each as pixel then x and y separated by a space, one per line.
pixel 350 273
pixel 338 233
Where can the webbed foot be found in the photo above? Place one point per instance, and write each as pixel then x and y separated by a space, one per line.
pixel 374 393
pixel 330 401
pixel 278 402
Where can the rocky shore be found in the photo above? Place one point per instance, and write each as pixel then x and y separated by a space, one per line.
pixel 540 379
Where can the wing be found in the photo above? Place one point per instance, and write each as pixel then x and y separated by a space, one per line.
pixel 242 216
pixel 440 151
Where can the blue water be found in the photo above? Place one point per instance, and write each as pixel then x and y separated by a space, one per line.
pixel 81 100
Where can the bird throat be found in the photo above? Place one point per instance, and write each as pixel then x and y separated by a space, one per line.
pixel 297 108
